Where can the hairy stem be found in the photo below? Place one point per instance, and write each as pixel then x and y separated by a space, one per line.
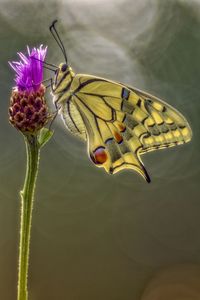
pixel 27 198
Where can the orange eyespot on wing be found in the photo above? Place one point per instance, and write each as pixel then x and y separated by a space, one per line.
pixel 120 126
pixel 99 156
pixel 118 137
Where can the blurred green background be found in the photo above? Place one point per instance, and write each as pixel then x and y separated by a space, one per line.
pixel 96 236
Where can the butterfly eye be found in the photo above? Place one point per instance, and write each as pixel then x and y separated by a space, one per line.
pixel 64 67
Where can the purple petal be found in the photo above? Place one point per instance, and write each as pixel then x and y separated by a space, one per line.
pixel 29 69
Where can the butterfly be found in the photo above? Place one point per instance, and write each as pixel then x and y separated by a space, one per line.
pixel 119 123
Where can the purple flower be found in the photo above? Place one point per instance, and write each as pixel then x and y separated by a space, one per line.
pixel 29 70
pixel 28 111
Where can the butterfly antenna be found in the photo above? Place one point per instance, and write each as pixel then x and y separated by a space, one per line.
pixel 57 38
pixel 46 65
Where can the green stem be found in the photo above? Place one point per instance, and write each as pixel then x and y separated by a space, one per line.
pixel 27 197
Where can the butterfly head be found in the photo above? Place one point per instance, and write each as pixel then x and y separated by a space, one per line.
pixel 63 78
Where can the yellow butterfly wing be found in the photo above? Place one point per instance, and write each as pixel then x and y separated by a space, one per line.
pixel 122 123
pixel 166 122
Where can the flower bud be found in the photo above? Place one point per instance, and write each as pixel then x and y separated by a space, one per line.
pixel 28 111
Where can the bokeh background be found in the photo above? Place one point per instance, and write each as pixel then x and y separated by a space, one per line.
pixel 96 236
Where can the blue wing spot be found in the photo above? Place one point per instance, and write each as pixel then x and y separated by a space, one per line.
pixel 108 140
pixel 125 93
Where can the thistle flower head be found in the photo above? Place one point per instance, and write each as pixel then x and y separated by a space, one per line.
pixel 28 110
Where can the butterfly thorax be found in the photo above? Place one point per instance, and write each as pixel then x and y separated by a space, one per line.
pixel 62 82
pixel 63 100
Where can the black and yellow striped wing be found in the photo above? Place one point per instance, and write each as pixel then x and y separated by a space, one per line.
pixel 121 123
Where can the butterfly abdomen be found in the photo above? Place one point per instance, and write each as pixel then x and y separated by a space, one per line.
pixel 72 119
